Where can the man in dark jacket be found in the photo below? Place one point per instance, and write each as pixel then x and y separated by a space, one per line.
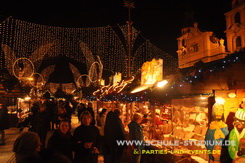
pixel 4 122
pixel 34 111
pixel 114 131
pixel 50 106
pixel 136 133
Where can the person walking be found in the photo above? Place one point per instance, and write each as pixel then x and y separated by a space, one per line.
pixel 42 124
pixel 68 108
pixel 50 106
pixel 136 133
pixel 101 125
pixel 34 111
pixel 80 108
pixel 86 140
pixel 62 115
pixel 91 111
pixel 113 132
pixel 61 139
pixel 101 121
pixel 4 122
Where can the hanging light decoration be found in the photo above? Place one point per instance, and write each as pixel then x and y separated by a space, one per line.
pixel 35 42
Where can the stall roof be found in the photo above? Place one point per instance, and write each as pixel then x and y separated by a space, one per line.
pixel 9 85
pixel 214 66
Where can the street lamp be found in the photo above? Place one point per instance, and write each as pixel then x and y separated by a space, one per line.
pixel 162 83
pixel 141 88
pixel 159 84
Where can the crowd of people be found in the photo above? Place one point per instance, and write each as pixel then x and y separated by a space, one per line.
pixel 95 136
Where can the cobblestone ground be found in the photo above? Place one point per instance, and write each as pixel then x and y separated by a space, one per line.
pixel 6 151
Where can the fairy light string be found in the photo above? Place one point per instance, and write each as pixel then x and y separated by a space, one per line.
pixel 25 38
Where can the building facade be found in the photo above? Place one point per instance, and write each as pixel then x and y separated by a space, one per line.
pixel 195 45
pixel 235 26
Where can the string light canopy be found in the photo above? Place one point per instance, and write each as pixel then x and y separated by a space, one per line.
pixel 79 44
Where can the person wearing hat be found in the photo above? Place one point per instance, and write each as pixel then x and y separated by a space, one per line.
pixel 26 147
pixel 237 135
pixel 217 131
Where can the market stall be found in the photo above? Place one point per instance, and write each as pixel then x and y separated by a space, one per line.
pixel 190 122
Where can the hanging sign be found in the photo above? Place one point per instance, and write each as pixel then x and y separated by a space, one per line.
pixel 152 71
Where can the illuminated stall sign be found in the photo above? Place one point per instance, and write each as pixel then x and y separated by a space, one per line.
pixel 152 71
pixel 117 78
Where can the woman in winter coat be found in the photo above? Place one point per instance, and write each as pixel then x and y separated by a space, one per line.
pixel 113 131
pixel 60 141
pixel 86 140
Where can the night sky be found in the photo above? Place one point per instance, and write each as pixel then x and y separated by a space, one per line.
pixel 158 20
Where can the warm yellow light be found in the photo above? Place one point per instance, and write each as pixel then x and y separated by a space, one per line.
pixel 220 100
pixel 75 97
pixel 20 99
pixel 162 83
pixel 27 98
pixel 30 79
pixel 102 82
pixel 232 95
pixel 203 98
pixel 158 111
pixel 152 71
pixel 141 88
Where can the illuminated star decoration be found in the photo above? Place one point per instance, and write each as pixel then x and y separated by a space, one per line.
pixel 129 4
